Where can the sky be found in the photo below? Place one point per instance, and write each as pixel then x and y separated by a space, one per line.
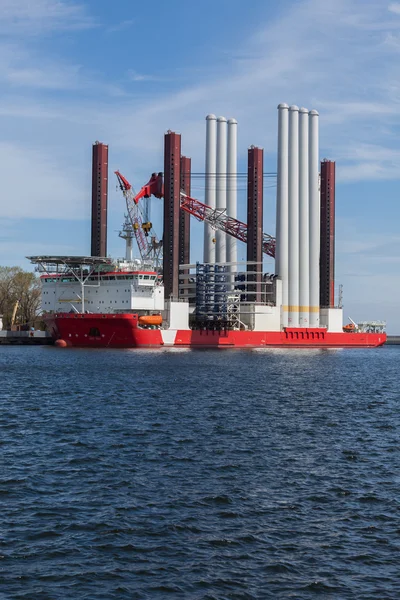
pixel 125 72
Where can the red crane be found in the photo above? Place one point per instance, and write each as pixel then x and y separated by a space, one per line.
pixel 142 228
pixel 216 217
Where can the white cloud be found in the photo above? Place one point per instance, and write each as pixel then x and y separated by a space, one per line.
pixel 121 26
pixel 394 7
pixel 55 193
pixel 364 162
pixel 341 58
pixel 33 17
pixel 18 251
pixel 51 77
pixel 135 76
pixel 296 58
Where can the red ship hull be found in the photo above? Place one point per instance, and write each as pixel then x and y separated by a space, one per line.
pixel 123 331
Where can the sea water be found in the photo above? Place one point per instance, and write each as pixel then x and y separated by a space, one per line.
pixel 199 474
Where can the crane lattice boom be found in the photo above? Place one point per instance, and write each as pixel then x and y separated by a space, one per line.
pixel 218 219
pixel 133 212
pixel 148 249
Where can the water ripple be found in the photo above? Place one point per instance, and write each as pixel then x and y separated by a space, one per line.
pixel 200 475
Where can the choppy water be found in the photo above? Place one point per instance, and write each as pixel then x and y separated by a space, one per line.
pixel 199 474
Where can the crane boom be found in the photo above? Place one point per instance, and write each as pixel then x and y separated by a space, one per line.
pixel 217 218
pixel 147 249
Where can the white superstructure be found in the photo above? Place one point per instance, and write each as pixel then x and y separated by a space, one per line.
pixel 123 287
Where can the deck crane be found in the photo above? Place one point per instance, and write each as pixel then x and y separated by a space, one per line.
pixel 148 249
pixel 216 217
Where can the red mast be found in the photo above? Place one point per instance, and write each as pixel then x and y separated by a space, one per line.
pixel 255 180
pixel 99 199
pixel 184 217
pixel 172 183
pixel 327 249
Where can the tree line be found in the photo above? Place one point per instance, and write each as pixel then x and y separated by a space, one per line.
pixel 20 292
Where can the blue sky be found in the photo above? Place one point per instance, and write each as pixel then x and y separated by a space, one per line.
pixel 124 72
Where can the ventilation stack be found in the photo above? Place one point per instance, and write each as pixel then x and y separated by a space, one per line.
pixel 99 199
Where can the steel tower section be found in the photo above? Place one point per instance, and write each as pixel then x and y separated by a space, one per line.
pixel 99 199
pixel 327 250
pixel 314 218
pixel 210 185
pixel 282 208
pixel 304 216
pixel 294 248
pixel 172 182
pixel 222 154
pixel 231 188
pixel 255 180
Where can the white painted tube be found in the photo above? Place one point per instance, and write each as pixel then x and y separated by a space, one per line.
pixel 210 185
pixel 282 197
pixel 220 247
pixel 293 277
pixel 314 217
pixel 304 262
pixel 231 189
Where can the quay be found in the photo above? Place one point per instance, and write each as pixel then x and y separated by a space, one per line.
pixel 32 338
pixel 393 340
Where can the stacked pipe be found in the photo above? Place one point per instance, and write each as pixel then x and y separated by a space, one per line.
pixel 220 185
pixel 297 216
